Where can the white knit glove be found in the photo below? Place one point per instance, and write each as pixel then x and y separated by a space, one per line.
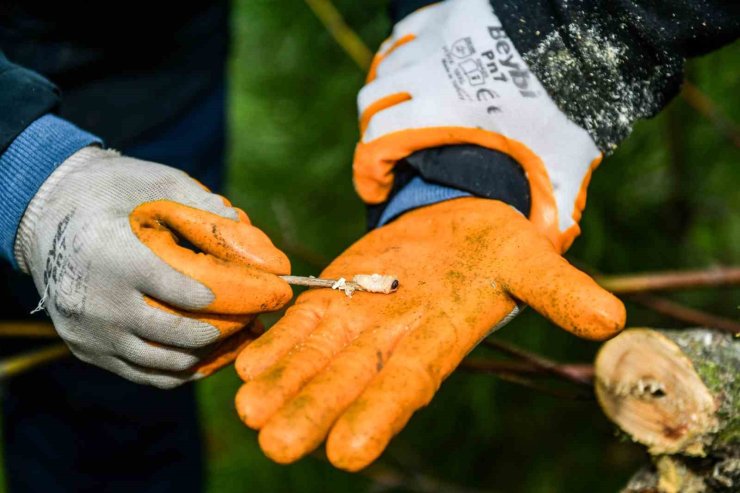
pixel 450 75
pixel 100 239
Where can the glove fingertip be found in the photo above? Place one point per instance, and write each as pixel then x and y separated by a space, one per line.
pixel 239 402
pixel 245 291
pixel 248 407
pixel 243 218
pixel 245 367
pixel 604 319
pixel 278 263
pixel 567 296
pixel 280 444
pixel 353 452
pixel 247 244
pixel 266 255
pixel 589 312
pixel 279 294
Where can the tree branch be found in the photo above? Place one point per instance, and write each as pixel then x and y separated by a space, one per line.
pixel 31 329
pixel 685 314
pixel 711 111
pixel 515 371
pixel 386 477
pixel 344 35
pixel 566 372
pixel 670 280
pixel 582 371
pixel 24 362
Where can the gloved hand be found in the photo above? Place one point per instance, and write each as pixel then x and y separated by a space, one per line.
pixel 450 75
pixel 356 368
pixel 100 239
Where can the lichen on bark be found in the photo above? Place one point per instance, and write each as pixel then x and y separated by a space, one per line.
pixel 716 359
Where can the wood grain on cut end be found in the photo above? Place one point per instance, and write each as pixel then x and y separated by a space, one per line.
pixel 650 388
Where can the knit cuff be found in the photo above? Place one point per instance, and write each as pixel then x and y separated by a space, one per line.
pixel 27 163
pixel 418 193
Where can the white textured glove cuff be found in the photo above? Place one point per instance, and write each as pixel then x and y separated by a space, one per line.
pixel 35 208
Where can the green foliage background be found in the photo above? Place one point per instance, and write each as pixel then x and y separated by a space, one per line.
pixel 667 199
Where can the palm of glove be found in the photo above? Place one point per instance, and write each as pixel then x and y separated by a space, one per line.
pixel 355 369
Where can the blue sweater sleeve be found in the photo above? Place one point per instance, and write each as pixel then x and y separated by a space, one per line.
pixel 418 193
pixel 26 163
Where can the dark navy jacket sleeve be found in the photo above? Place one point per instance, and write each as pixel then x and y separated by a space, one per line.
pixel 33 143
pixel 24 97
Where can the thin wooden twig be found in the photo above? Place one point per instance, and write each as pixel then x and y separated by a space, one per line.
pixel 518 378
pixel 583 371
pixel 704 105
pixel 683 313
pixel 676 310
pixel 372 283
pixel 566 372
pixel 521 373
pixel 386 477
pixel 670 280
pixel 28 329
pixel 24 362
pixel 311 282
pixel 347 38
pixel 496 366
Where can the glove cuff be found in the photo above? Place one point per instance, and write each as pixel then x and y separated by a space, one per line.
pixel 25 236
pixel 453 171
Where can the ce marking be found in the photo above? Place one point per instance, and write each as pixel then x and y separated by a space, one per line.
pixel 488 95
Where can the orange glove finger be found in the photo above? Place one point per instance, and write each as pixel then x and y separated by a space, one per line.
pixel 227 239
pixel 302 424
pixel 297 323
pixel 237 263
pixel 259 399
pixel 409 380
pixel 562 293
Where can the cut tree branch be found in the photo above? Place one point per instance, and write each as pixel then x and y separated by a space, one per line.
pixel 676 393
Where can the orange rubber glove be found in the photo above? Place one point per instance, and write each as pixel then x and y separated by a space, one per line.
pixel 355 369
